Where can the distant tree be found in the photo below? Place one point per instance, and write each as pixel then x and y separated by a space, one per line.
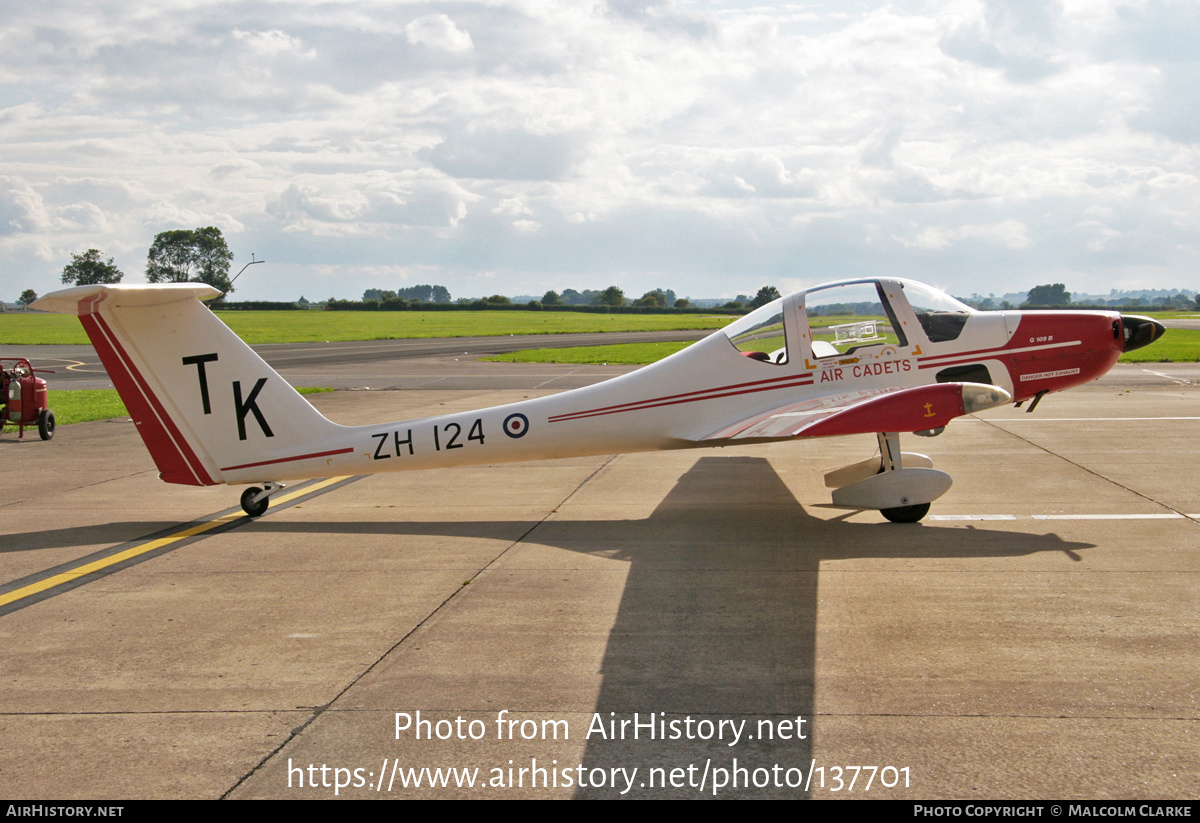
pixel 90 269
pixel 977 301
pixel 551 298
pixel 765 295
pixel 380 296
pixel 653 299
pixel 682 303
pixel 733 304
pixel 392 303
pixel 424 294
pixel 612 296
pixel 1054 294
pixel 498 300
pixel 27 297
pixel 190 256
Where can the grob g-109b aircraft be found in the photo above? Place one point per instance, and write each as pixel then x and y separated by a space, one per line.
pixel 880 356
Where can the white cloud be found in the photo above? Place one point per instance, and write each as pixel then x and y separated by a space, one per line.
pixel 1009 233
pixel 438 31
pixel 21 208
pixel 512 206
pixel 383 201
pixel 273 43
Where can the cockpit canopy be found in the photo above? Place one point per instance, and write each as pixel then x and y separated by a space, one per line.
pixel 760 335
pixel 840 318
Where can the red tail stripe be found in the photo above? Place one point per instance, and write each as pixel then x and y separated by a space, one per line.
pixel 170 450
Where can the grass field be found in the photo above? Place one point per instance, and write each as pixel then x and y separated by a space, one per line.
pixel 82 405
pixel 19 328
pixel 621 354
pixel 1176 346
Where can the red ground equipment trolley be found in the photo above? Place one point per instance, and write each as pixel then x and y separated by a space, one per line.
pixel 23 397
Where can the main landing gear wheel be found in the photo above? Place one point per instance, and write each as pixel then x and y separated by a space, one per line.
pixel 46 424
pixel 260 508
pixel 906 514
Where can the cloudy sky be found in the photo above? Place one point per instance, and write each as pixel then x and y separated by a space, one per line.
pixel 514 146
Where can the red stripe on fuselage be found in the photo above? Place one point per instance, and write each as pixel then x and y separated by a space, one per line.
pixel 692 397
pixel 287 459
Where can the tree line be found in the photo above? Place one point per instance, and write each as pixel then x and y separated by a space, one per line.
pixel 201 255
pixel 611 297
pixel 177 256
pixel 1056 296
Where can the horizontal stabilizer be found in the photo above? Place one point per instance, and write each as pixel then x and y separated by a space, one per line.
pixel 80 299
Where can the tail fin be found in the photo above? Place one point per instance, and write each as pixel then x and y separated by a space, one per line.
pixel 203 401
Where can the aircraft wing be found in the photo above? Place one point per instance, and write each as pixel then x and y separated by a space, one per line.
pixel 868 411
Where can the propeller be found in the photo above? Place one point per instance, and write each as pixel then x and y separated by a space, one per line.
pixel 1140 331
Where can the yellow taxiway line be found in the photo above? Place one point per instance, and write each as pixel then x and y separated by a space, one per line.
pixel 120 557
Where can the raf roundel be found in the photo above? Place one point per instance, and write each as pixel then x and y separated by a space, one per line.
pixel 515 425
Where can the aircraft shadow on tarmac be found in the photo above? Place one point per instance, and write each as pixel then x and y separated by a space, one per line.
pixel 718 617
pixel 705 513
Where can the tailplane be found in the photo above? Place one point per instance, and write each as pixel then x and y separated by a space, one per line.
pixel 204 402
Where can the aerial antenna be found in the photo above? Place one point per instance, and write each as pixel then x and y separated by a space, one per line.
pixel 252 262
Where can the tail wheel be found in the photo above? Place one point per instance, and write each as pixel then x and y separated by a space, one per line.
pixel 253 508
pixel 906 514
pixel 46 424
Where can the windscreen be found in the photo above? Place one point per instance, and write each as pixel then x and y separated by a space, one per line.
pixel 760 334
pixel 940 315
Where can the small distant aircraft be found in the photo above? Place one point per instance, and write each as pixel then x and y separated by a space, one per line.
pixel 879 356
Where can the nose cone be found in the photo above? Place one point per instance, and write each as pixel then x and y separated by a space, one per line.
pixel 1140 331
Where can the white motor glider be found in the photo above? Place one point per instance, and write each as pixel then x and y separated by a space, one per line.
pixel 880 356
